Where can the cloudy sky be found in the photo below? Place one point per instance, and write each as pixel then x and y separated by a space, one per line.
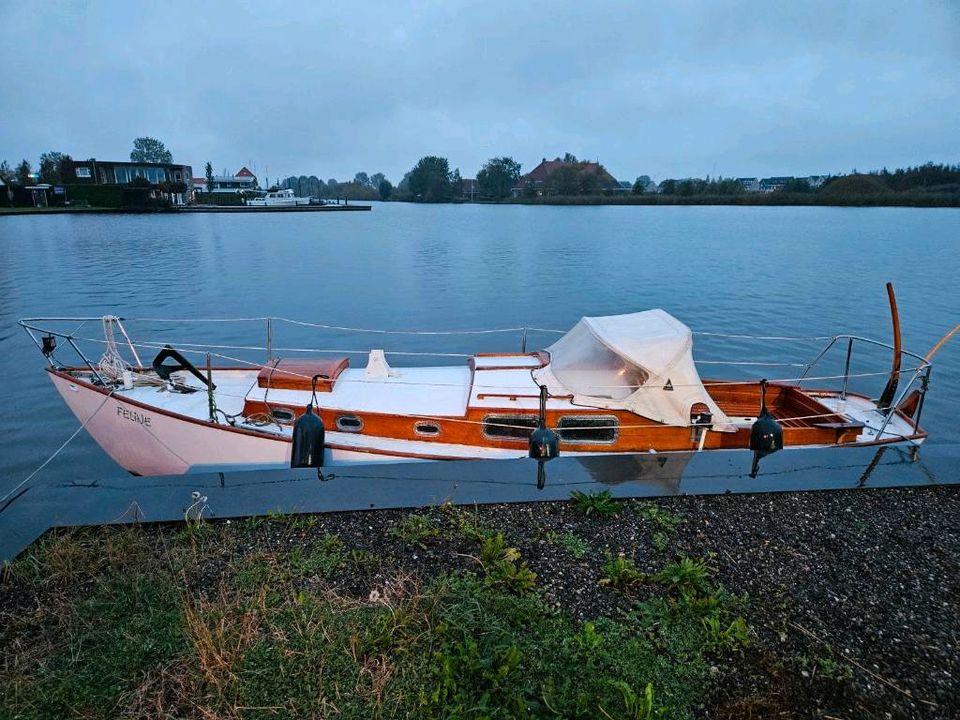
pixel 667 89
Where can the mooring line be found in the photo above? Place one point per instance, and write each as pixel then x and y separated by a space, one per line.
pixel 59 449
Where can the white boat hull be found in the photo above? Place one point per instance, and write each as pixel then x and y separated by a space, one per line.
pixel 149 441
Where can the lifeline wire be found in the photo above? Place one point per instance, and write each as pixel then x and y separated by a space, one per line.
pixel 59 449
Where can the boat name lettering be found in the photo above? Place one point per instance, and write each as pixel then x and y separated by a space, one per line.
pixel 133 416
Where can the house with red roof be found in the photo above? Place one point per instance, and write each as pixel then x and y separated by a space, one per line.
pixel 576 177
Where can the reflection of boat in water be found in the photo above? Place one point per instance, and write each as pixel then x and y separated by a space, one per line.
pixel 617 384
pixel 655 470
pixel 278 198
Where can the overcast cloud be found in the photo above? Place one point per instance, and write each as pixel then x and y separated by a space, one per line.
pixel 665 89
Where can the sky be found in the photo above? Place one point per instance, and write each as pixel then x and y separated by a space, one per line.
pixel 678 89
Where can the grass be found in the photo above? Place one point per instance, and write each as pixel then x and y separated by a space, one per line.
pixel 243 622
pixel 416 530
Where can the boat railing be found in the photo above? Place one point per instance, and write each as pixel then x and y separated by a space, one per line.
pixel 40 328
pixel 919 374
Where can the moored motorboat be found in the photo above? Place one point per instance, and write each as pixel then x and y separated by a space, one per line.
pixel 278 198
pixel 614 384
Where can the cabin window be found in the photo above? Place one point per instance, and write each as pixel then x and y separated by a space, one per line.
pixel 588 428
pixel 283 415
pixel 83 172
pixel 349 423
pixel 509 427
pixel 426 429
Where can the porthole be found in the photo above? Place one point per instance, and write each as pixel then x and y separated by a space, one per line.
pixel 509 427
pixel 588 428
pixel 426 429
pixel 349 423
pixel 282 415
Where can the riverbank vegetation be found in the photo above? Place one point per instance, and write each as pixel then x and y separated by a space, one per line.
pixel 728 607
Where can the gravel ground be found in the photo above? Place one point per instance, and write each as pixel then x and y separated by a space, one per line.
pixel 853 597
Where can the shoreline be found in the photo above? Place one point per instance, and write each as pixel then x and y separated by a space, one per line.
pixel 850 600
pixel 798 200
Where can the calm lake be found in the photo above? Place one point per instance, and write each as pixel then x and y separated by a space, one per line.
pixel 753 271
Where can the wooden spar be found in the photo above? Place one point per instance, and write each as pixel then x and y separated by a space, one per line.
pixel 941 343
pixel 886 397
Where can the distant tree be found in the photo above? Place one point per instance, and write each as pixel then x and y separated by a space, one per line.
pixel 208 173
pixel 376 179
pixel 565 180
pixel 589 182
pixel 498 177
pixel 639 187
pixel 51 167
pixel 385 189
pixel 569 158
pixel 150 150
pixel 23 173
pixel 313 186
pixel 796 185
pixel 668 187
pixel 361 178
pixel 6 173
pixel 430 179
pixel 456 184
pixel 530 190
pixel 727 186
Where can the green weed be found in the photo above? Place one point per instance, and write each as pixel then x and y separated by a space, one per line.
pixel 660 541
pixel 721 637
pixel 573 544
pixel 600 504
pixel 621 573
pixel 687 576
pixel 465 525
pixel 503 568
pixel 323 559
pixel 663 519
pixel 415 530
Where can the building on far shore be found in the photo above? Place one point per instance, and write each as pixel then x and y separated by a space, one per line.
pixel 750 184
pixel 167 181
pixel 243 182
pixel 772 184
pixel 538 179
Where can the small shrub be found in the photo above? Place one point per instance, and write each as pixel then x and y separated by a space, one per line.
pixel 600 503
pixel 503 568
pixel 415 530
pixel 620 573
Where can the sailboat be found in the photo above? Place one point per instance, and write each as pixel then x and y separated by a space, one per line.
pixel 617 384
